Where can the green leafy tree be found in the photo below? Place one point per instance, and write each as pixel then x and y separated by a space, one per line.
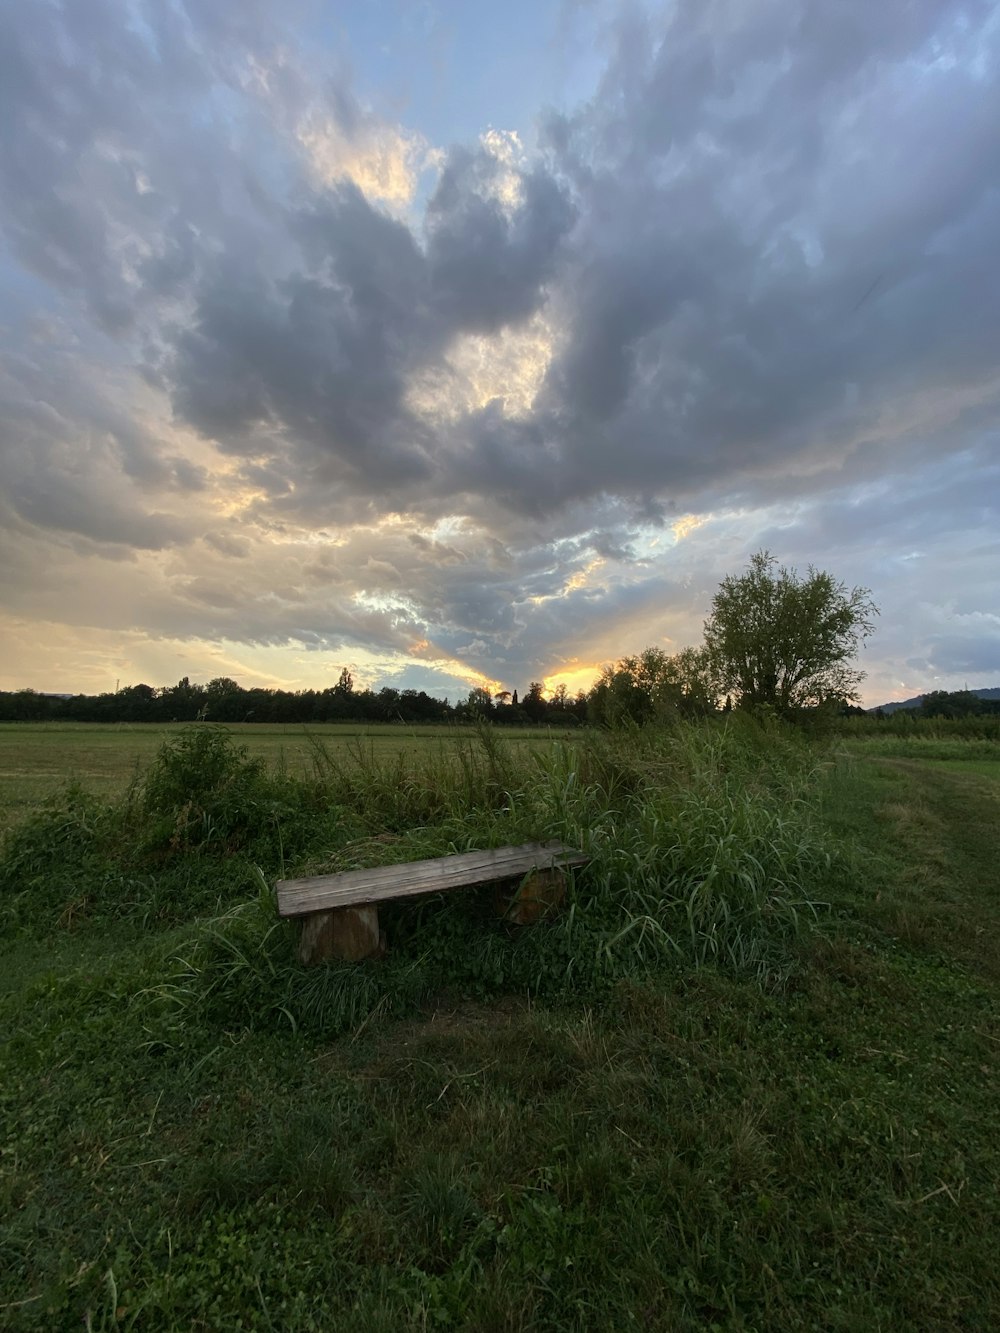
pixel 136 703
pixel 786 641
pixel 954 703
pixel 478 704
pixel 387 703
pixel 534 702
pixel 224 700
pixel 184 701
pixel 623 691
pixel 655 684
pixel 692 686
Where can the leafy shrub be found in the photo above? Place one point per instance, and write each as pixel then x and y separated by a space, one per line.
pixel 205 794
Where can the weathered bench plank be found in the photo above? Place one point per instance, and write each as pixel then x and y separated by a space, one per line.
pixel 340 912
pixel 300 897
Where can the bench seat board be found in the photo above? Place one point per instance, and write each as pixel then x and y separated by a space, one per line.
pixel 301 897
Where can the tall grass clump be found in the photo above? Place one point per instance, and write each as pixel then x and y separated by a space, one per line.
pixel 469 772
pixel 703 838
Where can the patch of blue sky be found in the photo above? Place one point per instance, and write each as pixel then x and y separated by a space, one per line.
pixel 453 69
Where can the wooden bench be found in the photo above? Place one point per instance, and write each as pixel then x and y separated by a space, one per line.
pixel 340 912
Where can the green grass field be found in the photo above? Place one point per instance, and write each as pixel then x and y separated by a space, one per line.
pixel 748 1081
pixel 38 759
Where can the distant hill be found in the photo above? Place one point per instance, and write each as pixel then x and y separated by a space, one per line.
pixel 991 692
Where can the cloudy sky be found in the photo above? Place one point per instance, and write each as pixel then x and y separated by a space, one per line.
pixel 463 342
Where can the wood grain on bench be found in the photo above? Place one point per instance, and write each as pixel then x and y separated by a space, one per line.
pixel 298 897
pixel 341 911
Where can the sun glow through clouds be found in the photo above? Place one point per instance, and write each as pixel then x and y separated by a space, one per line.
pixel 507 367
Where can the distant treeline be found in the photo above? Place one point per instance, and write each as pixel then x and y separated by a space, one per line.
pixel 945 703
pixel 951 714
pixel 648 688
pixel 223 700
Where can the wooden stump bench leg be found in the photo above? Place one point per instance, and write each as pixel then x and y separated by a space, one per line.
pixel 347 933
pixel 541 894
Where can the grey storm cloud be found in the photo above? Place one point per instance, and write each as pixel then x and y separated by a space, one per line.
pixel 489 269
pixel 326 353
pixel 73 460
pixel 758 239
pixel 783 241
pixel 793 250
pixel 323 356
pixel 766 247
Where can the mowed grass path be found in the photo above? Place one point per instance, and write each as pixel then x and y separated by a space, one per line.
pixel 932 829
pixel 691 1151
pixel 38 759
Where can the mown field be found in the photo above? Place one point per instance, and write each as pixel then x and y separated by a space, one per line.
pixel 748 1080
